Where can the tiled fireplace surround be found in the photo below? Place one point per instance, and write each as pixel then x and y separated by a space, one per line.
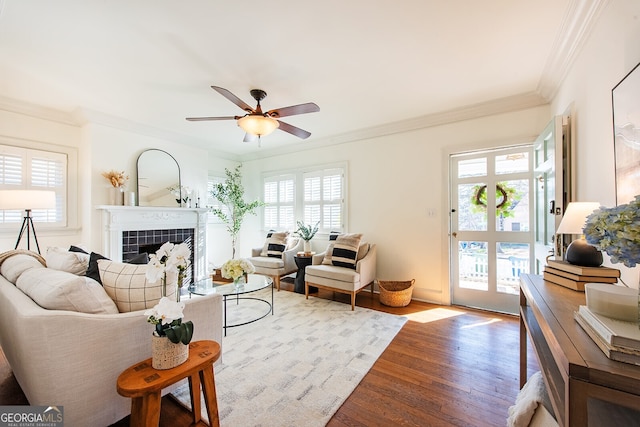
pixel 124 228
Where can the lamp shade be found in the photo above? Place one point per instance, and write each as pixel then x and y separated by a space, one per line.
pixel 258 125
pixel 575 217
pixel 27 199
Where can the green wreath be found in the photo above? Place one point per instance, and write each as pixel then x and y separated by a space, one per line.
pixel 506 198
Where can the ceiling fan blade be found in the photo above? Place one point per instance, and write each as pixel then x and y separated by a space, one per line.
pixel 231 97
pixel 309 107
pixel 249 137
pixel 300 133
pixel 202 119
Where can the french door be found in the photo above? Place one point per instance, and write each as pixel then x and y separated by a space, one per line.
pixel 491 237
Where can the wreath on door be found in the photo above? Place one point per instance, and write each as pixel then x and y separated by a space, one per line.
pixel 506 199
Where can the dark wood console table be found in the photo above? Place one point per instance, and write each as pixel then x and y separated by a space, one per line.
pixel 586 387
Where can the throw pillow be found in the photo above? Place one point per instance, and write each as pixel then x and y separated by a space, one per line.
pixel 275 245
pixel 13 266
pixel 60 290
pixel 345 250
pixel 129 288
pixel 71 262
pixel 92 268
pixel 73 248
pixel 142 258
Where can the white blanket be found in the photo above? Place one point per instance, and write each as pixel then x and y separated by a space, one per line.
pixel 532 394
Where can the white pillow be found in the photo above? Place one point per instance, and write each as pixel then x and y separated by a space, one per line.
pixel 64 260
pixel 15 265
pixel 60 290
pixel 128 287
pixel 276 244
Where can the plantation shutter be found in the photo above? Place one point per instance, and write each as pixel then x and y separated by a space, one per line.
pixel 324 199
pixel 279 198
pixel 28 169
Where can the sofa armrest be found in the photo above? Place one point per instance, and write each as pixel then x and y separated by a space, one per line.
pixel 287 256
pixel 256 251
pixel 367 266
pixel 318 258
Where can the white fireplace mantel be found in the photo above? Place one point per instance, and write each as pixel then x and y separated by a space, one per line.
pixel 116 219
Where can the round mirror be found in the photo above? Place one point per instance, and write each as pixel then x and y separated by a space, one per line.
pixel 158 179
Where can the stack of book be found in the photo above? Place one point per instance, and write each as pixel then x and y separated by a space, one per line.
pixel 618 339
pixel 575 276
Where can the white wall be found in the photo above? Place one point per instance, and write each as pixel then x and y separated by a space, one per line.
pixel 393 182
pixel 610 52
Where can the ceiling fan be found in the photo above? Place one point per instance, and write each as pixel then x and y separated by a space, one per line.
pixel 256 123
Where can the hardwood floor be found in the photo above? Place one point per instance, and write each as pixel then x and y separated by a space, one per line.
pixel 448 366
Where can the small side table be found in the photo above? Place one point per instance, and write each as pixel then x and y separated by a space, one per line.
pixel 302 261
pixel 144 385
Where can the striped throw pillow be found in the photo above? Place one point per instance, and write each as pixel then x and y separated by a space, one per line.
pixel 345 250
pixel 276 244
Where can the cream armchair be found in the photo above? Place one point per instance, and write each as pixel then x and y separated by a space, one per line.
pixel 342 279
pixel 276 268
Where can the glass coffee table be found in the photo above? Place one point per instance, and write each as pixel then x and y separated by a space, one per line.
pixel 229 291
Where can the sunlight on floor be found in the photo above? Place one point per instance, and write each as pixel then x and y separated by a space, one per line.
pixel 488 322
pixel 433 314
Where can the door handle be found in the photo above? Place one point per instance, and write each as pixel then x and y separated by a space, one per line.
pixel 454 234
pixel 553 207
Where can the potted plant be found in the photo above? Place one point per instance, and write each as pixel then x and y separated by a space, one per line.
pixel 306 233
pixel 171 336
pixel 231 194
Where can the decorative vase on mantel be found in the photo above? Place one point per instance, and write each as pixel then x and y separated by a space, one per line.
pixel 167 355
pixel 116 196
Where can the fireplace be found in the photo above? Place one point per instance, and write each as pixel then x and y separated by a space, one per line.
pixel 128 228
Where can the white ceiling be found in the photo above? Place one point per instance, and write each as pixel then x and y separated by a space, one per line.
pixel 150 63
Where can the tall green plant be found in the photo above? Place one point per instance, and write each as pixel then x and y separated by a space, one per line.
pixel 230 193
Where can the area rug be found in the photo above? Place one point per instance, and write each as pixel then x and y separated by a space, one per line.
pixel 296 367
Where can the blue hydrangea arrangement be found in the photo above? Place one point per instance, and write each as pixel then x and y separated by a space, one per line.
pixel 616 231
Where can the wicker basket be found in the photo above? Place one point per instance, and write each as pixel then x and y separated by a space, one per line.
pixel 396 293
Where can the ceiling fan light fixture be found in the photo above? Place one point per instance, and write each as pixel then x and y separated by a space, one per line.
pixel 258 125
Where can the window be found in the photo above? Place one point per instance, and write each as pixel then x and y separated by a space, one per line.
pixel 323 199
pixel 279 198
pixel 212 202
pixel 311 196
pixel 30 169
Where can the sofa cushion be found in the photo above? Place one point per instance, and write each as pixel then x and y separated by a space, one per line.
pixel 61 290
pixel 129 288
pixel 267 262
pixel 345 250
pixel 14 265
pixel 275 244
pixel 64 260
pixel 331 272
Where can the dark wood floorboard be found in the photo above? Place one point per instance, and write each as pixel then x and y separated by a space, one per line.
pixel 448 366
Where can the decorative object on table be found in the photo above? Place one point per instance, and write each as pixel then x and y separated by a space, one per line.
pixel 617 232
pixel 237 269
pixel 118 181
pixel 182 195
pixel 171 336
pixel 579 252
pixel 230 193
pixel 27 200
pixel 169 263
pixel 575 276
pixel 306 233
pixel 616 302
pixel 626 122
pixel 396 293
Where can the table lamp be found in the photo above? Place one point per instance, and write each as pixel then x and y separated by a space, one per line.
pixel 27 200
pixel 579 252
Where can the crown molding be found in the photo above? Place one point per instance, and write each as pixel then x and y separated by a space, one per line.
pixel 577 25
pixel 470 112
pixel 37 111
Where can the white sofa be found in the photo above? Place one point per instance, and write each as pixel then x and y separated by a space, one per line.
pixel 73 359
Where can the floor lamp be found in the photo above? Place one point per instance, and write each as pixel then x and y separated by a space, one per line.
pixel 27 200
